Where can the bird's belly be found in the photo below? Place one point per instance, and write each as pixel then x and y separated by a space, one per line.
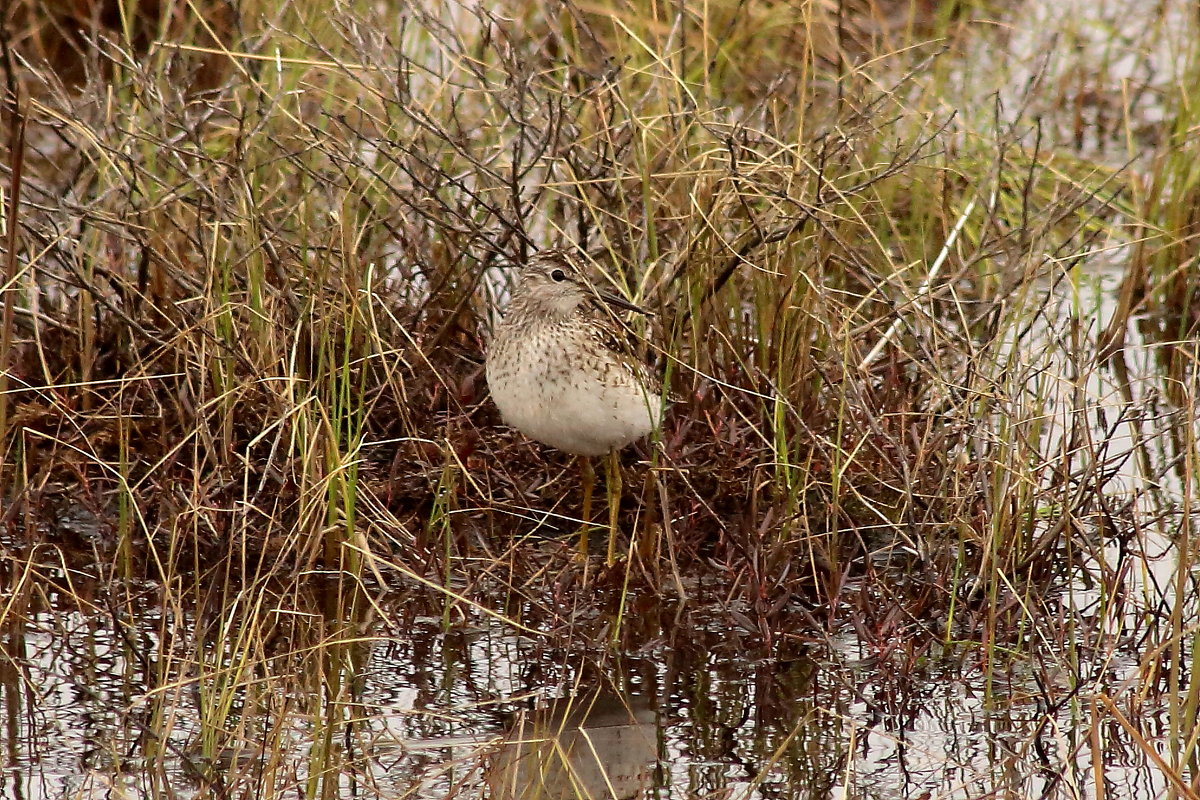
pixel 574 413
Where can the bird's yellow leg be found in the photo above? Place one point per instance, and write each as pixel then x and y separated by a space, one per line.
pixel 589 479
pixel 612 483
pixel 649 538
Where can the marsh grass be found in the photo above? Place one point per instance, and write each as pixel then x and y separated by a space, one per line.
pixel 255 264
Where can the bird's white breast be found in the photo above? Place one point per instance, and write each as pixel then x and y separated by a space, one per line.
pixel 555 386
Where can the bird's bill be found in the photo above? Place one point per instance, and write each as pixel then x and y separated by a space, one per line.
pixel 620 302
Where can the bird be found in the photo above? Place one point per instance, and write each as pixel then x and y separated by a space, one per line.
pixel 563 371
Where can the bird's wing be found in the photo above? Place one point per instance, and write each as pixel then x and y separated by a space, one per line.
pixel 615 336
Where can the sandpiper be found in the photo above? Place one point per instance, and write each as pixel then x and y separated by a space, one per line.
pixel 562 370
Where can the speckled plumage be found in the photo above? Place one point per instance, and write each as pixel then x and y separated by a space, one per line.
pixel 560 368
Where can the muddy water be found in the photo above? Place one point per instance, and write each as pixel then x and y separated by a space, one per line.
pixel 100 702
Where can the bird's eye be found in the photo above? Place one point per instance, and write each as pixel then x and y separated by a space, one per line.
pixel 558 275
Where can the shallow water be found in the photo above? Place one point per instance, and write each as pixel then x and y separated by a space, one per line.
pixel 427 712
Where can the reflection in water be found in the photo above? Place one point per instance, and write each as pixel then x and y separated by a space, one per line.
pixel 408 709
pixel 593 745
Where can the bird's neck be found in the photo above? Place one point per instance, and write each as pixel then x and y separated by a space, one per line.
pixel 540 311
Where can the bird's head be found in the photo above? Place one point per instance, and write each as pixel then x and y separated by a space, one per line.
pixel 551 282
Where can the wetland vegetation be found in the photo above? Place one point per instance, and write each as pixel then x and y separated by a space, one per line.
pixel 920 521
